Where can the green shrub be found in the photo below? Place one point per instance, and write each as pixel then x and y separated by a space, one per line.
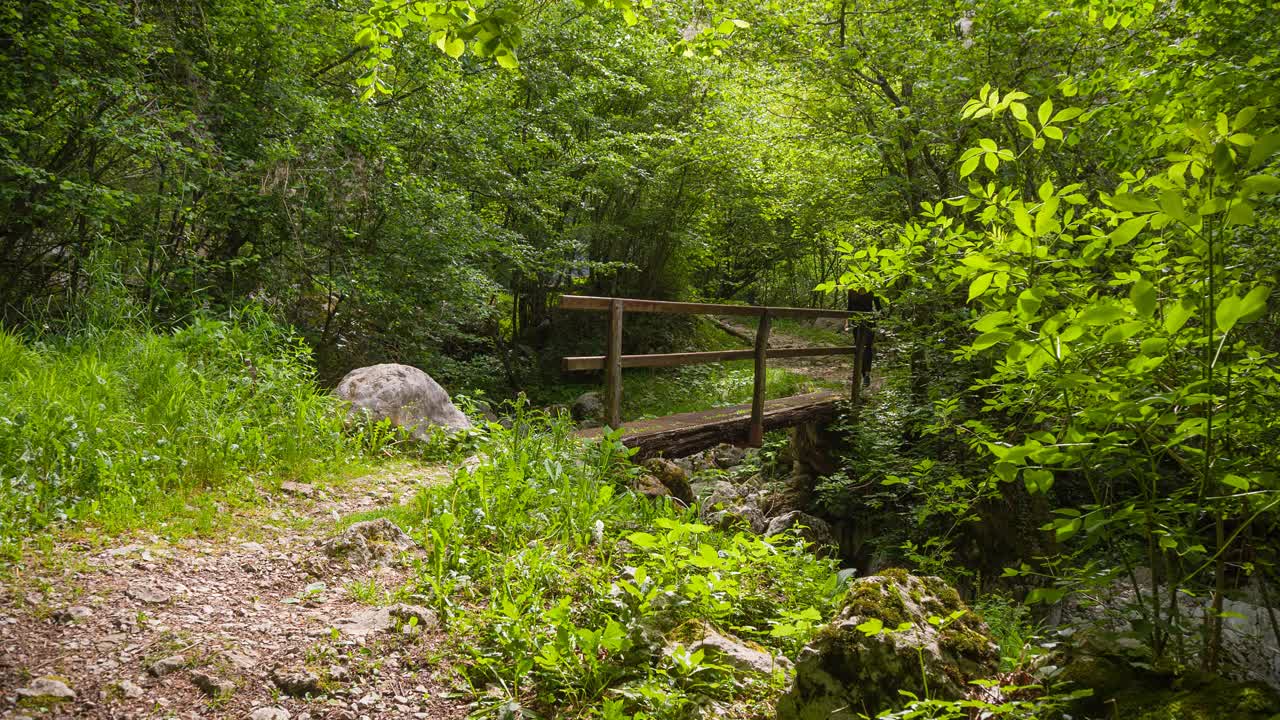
pixel 111 425
pixel 555 581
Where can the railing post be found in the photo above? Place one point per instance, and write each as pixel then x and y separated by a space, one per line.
pixel 755 434
pixel 613 368
pixel 860 350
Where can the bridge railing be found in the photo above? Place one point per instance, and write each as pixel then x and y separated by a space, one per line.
pixel 613 361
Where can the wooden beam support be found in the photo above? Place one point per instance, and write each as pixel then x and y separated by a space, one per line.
pixel 586 302
pixel 613 367
pixel 755 432
pixel 597 362
pixel 680 435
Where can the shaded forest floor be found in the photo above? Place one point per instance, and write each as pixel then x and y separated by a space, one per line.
pixel 135 628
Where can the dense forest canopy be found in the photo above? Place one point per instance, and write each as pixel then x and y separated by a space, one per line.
pixel 1067 213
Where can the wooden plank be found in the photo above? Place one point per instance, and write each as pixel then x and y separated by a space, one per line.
pixel 755 433
pixel 855 390
pixel 597 362
pixel 613 367
pixel 687 433
pixel 587 302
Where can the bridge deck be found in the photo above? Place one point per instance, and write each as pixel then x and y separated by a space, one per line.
pixel 688 433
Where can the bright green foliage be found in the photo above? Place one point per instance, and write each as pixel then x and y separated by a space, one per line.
pixel 120 424
pixel 558 583
pixel 1118 322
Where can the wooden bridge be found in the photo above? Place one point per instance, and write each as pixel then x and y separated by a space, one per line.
pixel 687 433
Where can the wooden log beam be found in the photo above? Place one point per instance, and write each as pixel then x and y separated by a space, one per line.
pixel 686 441
pixel 597 362
pixel 587 302
pixel 688 433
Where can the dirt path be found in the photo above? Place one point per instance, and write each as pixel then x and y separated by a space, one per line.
pixel 137 630
pixel 827 368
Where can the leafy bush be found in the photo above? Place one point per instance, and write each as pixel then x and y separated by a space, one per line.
pixel 557 582
pixel 113 424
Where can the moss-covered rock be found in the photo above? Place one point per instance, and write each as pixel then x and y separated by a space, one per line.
pixel 1123 690
pixel 928 638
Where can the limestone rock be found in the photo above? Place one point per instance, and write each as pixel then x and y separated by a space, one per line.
pixel 650 486
pixel 148 594
pixel 270 713
pixel 845 670
pixel 673 477
pixel 405 395
pixel 73 614
pixel 742 515
pixel 298 682
pixel 365 542
pixel 297 488
pixel 46 689
pixel 166 666
pixel 588 409
pixel 815 530
pixel 725 649
pixel 213 686
pixel 129 689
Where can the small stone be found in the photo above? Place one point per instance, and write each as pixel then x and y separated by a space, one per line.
pixel 130 689
pixel 239 661
pixel 47 689
pixel 213 686
pixel 297 682
pixel 269 713
pixel 165 666
pixel 415 616
pixel 296 488
pixel 73 614
pixel 148 594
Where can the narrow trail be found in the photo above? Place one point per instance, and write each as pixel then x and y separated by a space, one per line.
pixel 825 368
pixel 136 630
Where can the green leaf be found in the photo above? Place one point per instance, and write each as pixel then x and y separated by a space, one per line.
pixel 506 58
pixel 980 285
pixel 1228 313
pixel 453 47
pixel 1045 112
pixel 1144 297
pixel 1128 230
pixel 1254 304
pixel 1260 184
pixel 1101 313
pixel 1122 332
pixel 1235 481
pixel 1045 220
pixel 1037 481
pixel 1029 302
pixel 1067 114
pixel 873 626
pixel 726 28
pixel 968 166
pixel 1263 148
pixel 987 339
pixel 1177 315
pixel 1022 219
pixel 1133 203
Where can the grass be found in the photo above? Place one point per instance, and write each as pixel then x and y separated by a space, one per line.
pixel 123 427
pixel 560 588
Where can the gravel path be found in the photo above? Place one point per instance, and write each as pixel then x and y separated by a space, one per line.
pixel 230 627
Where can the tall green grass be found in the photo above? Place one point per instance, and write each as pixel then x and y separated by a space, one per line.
pixel 117 423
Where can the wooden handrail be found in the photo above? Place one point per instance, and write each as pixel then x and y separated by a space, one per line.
pixel 613 361
pixel 597 362
pixel 587 302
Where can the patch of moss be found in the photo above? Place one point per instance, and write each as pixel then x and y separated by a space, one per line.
pixel 1121 690
pixel 875 600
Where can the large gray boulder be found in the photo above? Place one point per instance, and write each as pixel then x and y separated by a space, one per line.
pixel 882 641
pixel 405 395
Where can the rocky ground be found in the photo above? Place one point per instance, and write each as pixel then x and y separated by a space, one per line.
pixel 265 621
